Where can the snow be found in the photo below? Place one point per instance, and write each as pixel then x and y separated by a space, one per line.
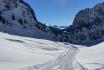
pixel 24 53
pixel 18 53
pixel 92 57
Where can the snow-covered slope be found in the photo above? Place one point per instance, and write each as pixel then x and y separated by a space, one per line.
pixel 92 57
pixel 17 53
pixel 23 53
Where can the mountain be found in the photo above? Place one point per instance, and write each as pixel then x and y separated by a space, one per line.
pixel 88 26
pixel 21 50
pixel 17 17
pixel 60 27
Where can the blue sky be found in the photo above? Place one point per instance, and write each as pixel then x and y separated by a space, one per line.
pixel 59 12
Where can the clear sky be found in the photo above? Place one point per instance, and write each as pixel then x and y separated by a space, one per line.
pixel 59 12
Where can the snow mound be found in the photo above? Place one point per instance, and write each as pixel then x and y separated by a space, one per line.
pixel 92 57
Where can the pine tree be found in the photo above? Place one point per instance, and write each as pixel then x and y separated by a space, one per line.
pixel 13 17
pixel 0 17
pixel 20 21
pixel 25 21
pixel 3 20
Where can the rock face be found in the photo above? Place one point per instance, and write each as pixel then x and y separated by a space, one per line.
pixel 88 26
pixel 17 17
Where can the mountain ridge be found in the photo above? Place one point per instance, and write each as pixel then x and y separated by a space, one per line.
pixel 17 17
pixel 87 27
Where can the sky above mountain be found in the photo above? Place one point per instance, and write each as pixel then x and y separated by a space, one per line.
pixel 59 12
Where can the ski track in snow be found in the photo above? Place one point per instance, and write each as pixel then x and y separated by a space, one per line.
pixel 29 52
pixel 63 62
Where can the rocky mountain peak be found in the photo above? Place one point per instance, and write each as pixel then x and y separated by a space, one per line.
pixel 88 26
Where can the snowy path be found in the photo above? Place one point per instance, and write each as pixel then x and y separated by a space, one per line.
pixel 63 62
